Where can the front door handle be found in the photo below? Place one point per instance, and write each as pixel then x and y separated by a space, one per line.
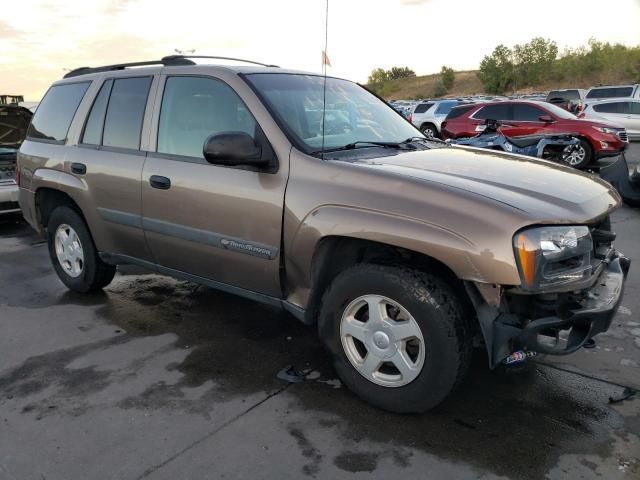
pixel 159 182
pixel 78 168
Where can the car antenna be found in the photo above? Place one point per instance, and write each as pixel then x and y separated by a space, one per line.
pixel 325 61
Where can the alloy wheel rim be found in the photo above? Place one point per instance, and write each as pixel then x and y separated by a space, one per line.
pixel 576 155
pixel 69 250
pixel 382 341
pixel 428 132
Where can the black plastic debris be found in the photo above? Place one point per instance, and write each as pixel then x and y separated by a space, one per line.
pixel 291 375
pixel 627 393
pixel 591 343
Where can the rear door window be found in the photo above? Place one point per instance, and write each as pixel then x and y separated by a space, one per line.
pixel 500 111
pixel 423 107
pixel 93 129
pixel 53 117
pixel 123 121
pixel 527 113
pixel 459 111
pixel 634 108
pixel 613 107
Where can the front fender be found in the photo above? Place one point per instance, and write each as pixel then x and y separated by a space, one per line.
pixel 460 254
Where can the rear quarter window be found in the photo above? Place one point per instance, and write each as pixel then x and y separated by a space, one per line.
pixel 445 107
pixel 610 92
pixel 563 94
pixel 55 113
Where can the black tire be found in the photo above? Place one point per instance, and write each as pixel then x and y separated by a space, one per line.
pixel 588 155
pixel 429 131
pixel 95 273
pixel 438 312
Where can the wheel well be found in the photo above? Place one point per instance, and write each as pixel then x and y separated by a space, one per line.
pixel 430 124
pixel 47 199
pixel 335 254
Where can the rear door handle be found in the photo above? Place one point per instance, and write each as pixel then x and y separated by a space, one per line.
pixel 78 168
pixel 159 182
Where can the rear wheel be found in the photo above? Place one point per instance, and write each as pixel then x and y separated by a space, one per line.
pixel 578 156
pixel 429 131
pixel 73 253
pixel 396 336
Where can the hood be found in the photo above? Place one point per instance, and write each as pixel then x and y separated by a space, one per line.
pixel 544 191
pixel 14 121
pixel 596 122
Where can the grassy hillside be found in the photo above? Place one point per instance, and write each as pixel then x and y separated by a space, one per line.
pixel 467 83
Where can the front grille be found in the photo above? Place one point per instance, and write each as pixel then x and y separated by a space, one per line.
pixel 603 238
pixel 622 135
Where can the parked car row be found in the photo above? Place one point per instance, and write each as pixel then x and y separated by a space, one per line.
pixel 597 139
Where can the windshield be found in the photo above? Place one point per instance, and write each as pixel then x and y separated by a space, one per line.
pixel 352 114
pixel 559 112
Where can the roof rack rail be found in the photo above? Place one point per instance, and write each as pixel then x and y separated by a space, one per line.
pixel 166 61
pixel 186 57
pixel 170 60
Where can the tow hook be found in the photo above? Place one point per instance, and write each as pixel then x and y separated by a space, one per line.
pixel 519 357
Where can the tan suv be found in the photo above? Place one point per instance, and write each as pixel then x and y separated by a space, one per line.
pixel 313 195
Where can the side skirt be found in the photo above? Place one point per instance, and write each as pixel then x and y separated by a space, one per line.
pixel 116 259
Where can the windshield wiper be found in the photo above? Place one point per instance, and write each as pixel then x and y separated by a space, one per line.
pixel 422 139
pixel 363 144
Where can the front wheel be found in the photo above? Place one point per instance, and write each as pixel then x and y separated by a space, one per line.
pixel 73 253
pixel 578 156
pixel 429 131
pixel 396 336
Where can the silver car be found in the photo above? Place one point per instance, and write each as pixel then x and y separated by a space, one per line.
pixel 613 91
pixel 428 116
pixel 14 121
pixel 624 112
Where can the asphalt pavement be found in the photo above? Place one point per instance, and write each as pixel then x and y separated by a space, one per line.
pixel 162 379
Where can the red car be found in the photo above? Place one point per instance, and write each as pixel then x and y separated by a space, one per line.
pixel 597 139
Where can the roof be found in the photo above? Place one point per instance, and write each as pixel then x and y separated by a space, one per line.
pixel 182 61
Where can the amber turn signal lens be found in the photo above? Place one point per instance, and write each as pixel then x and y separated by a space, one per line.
pixel 527 257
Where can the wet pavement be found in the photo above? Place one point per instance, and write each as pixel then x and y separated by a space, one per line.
pixel 162 379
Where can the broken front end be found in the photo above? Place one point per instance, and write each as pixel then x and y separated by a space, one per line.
pixel 572 284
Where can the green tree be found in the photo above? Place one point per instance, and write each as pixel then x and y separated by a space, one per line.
pixel 534 61
pixel 497 70
pixel 400 72
pixel 448 77
pixel 378 75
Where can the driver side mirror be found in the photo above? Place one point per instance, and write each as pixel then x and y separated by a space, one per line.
pixel 546 119
pixel 233 149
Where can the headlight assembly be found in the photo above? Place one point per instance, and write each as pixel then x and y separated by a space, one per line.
pixel 553 256
pixel 611 131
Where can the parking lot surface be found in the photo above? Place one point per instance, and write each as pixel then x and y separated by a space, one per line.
pixel 162 379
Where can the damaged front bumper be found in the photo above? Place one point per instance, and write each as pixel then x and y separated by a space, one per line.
pixel 571 320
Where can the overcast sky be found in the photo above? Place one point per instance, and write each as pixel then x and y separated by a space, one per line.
pixel 38 39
